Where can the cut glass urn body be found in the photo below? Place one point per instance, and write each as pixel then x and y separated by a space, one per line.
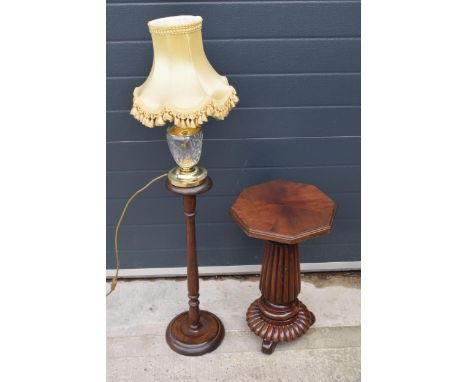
pixel 185 146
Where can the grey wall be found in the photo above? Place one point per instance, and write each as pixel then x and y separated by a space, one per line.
pixel 296 68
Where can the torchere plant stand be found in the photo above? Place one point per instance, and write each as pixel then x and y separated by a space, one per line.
pixel 194 332
pixel 283 214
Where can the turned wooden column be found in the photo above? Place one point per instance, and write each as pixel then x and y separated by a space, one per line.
pixel 283 214
pixel 194 332
pixel 190 203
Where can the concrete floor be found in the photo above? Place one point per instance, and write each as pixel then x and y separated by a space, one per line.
pixel 138 312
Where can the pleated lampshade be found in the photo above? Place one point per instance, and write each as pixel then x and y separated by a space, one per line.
pixel 182 87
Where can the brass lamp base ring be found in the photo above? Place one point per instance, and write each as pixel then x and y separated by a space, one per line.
pixel 187 178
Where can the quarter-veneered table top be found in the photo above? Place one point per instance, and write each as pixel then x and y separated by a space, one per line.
pixel 283 211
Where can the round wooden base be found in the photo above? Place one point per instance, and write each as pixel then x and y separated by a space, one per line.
pixel 192 342
pixel 279 329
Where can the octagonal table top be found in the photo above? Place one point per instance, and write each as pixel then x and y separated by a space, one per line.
pixel 283 211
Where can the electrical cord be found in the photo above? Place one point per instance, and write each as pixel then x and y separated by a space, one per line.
pixel 116 236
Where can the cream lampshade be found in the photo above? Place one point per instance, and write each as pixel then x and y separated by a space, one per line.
pixel 182 88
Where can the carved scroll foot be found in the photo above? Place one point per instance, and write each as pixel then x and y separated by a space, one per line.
pixel 268 347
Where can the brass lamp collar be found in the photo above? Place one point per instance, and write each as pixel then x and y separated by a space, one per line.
pixel 189 177
pixel 179 131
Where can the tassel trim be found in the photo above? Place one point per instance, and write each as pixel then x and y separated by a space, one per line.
pixel 183 119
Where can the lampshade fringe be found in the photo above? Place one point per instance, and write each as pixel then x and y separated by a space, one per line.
pixel 190 120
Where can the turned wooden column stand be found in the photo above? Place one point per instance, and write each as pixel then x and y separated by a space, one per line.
pixel 196 331
pixel 284 214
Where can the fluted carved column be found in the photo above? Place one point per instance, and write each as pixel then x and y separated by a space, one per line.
pixel 278 315
pixel 280 283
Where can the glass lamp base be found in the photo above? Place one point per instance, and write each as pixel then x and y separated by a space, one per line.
pixel 180 177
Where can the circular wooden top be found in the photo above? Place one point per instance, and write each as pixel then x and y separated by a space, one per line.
pixel 285 212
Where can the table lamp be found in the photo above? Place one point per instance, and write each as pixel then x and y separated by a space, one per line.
pixel 184 90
